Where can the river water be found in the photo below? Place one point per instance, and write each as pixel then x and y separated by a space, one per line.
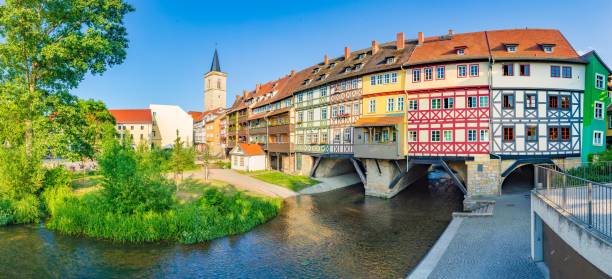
pixel 336 234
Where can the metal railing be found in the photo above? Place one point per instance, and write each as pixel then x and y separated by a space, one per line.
pixel 594 171
pixel 587 201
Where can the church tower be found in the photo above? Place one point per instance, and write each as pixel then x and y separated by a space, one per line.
pixel 215 88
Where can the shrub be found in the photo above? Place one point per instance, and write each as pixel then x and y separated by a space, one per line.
pixel 214 215
pixel 26 210
pixel 19 176
pixel 131 182
pixel 6 212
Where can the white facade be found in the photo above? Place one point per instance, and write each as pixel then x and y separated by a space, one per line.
pixel 539 76
pixel 169 119
pixel 240 161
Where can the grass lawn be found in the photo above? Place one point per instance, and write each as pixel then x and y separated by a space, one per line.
pixel 292 182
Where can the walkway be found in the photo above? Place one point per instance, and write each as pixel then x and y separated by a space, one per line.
pixel 244 182
pixel 332 183
pixel 486 247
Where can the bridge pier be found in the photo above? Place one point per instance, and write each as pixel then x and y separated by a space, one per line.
pixel 386 178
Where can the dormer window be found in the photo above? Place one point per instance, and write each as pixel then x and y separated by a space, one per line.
pixel 306 81
pixel 390 60
pixel 316 70
pixel 548 48
pixel 361 56
pixel 322 77
pixel 460 50
pixel 347 70
pixel 511 47
pixel 331 65
pixel 358 66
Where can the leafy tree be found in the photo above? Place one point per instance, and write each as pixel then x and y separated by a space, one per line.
pixel 182 157
pixel 47 48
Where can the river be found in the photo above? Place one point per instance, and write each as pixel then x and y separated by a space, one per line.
pixel 336 234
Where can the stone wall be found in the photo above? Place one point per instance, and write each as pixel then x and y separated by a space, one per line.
pixel 484 176
pixel 378 182
pixel 329 167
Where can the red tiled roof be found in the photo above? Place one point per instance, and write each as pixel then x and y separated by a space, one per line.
pixel 444 48
pixel 196 115
pixel 530 43
pixel 132 115
pixel 251 149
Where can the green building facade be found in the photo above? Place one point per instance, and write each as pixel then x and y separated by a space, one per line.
pixel 596 101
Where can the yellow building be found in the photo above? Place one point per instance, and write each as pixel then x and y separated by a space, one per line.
pixel 138 124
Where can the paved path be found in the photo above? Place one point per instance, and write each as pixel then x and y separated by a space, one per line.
pixel 489 247
pixel 332 183
pixel 244 182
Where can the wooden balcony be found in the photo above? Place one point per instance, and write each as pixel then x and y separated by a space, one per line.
pixel 279 147
pixel 281 129
pixel 258 131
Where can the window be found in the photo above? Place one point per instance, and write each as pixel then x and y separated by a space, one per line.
pixel 484 135
pixel 547 49
pixel 300 116
pixel 372 105
pixel 334 111
pixel 412 136
pixel 413 105
pixel 460 51
pixel 310 115
pixel 440 72
pixel 416 75
pixel 567 72
pixel 341 109
pixel 525 70
pixel 390 60
pixel 483 101
pixel 448 135
pixel 390 104
pixel 141 136
pixel 553 102
pixel 387 78
pixel 565 102
pixel 555 71
pixel 373 80
pixel 241 161
pixel 300 139
pixel 347 135
pixel 449 103
pixel 300 98
pixel 508 133
pixel 553 134
pixel 361 56
pixel 141 127
pixel 435 136
pixel 324 138
pixel 356 108
pixel 511 48
pixel 461 71
pixel 471 135
pixel 565 133
pixel 131 127
pixel 323 91
pixel 599 110
pixel 435 104
pixel 323 113
pixel 532 133
pixel 400 103
pixel 508 70
pixel 474 70
pixel 530 101
pixel 599 81
pixel 393 77
pixel 471 102
pixel 598 138
pixel 428 74
pixel 508 101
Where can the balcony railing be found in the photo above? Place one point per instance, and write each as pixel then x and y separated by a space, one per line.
pixel 588 202
pixel 279 147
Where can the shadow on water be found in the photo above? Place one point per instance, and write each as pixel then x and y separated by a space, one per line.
pixel 336 234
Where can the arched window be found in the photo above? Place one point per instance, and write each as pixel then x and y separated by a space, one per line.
pixel 218 84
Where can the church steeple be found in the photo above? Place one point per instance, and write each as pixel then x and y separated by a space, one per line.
pixel 215 67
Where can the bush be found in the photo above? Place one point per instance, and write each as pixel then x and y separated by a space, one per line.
pixel 26 210
pixel 132 182
pixel 214 215
pixel 19 176
pixel 6 212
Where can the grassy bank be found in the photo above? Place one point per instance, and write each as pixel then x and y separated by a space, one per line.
pixel 201 212
pixel 292 182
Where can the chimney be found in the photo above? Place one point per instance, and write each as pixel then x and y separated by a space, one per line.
pixel 257 86
pixel 325 60
pixel 374 47
pixel 292 73
pixel 451 32
pixel 244 92
pixel 347 53
pixel 400 42
pixel 421 38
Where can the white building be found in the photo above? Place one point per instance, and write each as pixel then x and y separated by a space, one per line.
pixel 248 157
pixel 169 119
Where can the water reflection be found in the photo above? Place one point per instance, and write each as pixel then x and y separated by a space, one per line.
pixel 337 234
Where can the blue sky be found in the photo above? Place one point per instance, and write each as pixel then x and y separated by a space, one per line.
pixel 172 42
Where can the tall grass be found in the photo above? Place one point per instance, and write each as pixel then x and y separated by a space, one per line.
pixel 217 213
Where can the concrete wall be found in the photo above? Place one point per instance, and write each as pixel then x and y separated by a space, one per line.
pixel 595 249
pixel 333 167
pixel 168 120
